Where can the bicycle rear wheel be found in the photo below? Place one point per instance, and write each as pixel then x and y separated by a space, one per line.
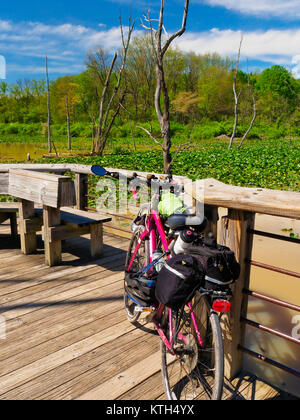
pixel 195 372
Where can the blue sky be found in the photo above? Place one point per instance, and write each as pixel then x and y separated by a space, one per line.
pixel 65 30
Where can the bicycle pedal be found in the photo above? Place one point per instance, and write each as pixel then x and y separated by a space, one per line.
pixel 144 309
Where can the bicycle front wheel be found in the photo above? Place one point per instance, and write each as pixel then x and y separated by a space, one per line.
pixel 136 263
pixel 195 372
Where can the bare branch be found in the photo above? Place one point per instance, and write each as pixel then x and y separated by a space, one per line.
pixel 184 146
pixel 160 25
pixel 251 123
pixel 104 126
pixel 151 136
pixel 161 90
pixel 115 114
pixel 152 31
pixel 180 31
pixel 106 84
pixel 236 95
pixel 125 50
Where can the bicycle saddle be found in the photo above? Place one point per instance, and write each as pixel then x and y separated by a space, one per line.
pixel 181 221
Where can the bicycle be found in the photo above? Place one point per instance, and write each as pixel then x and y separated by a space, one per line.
pixel 191 339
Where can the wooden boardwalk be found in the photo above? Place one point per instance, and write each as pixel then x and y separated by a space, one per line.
pixel 67 336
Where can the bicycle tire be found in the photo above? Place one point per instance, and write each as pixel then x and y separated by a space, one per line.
pixel 140 260
pixel 197 372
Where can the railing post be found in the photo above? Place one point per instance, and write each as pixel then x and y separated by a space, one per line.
pixel 212 214
pixel 81 189
pixel 234 234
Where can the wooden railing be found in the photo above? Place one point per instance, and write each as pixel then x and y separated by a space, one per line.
pixel 235 229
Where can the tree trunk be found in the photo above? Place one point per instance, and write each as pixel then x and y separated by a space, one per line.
pixel 251 123
pixel 236 97
pixel 163 117
pixel 68 122
pixel 166 132
pixel 161 91
pixel 48 108
pixel 236 116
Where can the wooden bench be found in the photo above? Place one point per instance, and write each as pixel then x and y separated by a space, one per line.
pixel 76 223
pixel 9 211
pixel 57 219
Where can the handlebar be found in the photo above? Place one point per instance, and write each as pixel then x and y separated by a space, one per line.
pixel 98 170
pixel 148 180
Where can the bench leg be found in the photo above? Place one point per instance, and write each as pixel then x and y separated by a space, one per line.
pixel 51 218
pixel 28 240
pixel 3 217
pixel 13 222
pixel 96 240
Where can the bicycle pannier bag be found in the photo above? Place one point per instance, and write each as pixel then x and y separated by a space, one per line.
pixel 178 280
pixel 219 262
pixel 142 289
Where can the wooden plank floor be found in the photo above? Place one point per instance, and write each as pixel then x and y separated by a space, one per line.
pixel 66 334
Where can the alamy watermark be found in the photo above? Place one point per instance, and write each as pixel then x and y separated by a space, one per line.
pixel 296 329
pixel 2 67
pixel 126 195
pixel 2 328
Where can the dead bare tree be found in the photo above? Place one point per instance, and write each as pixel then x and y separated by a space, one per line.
pixel 254 115
pixel 48 108
pixel 50 140
pixel 236 96
pixel 106 117
pixel 160 44
pixel 68 122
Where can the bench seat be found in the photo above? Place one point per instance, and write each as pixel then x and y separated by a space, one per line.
pixel 75 223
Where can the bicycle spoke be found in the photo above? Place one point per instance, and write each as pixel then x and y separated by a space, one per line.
pixel 194 372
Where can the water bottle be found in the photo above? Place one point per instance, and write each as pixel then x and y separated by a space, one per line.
pixel 157 254
pixel 185 238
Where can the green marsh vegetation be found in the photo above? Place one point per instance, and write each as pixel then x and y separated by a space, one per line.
pixel 201 112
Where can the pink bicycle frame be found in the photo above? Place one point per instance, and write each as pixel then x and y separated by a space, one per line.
pixel 153 223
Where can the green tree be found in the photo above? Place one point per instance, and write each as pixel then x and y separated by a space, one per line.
pixel 278 94
pixel 186 104
pixel 215 92
pixel 140 78
pixel 278 80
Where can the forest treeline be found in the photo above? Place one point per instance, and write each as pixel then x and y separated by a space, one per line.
pixel 200 90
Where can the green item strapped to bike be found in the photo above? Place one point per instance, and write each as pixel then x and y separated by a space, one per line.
pixel 170 204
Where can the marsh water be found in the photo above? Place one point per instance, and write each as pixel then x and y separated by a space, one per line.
pixel 19 152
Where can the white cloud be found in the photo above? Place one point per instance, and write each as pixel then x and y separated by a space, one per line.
pixel 67 44
pixel 39 36
pixel 286 9
pixel 296 66
pixel 2 67
pixel 5 26
pixel 276 46
pixel 53 68
pixel 27 43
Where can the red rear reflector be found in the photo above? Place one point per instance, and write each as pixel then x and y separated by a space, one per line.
pixel 221 305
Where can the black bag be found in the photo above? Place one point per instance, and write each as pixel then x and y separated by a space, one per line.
pixel 142 289
pixel 178 279
pixel 219 262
